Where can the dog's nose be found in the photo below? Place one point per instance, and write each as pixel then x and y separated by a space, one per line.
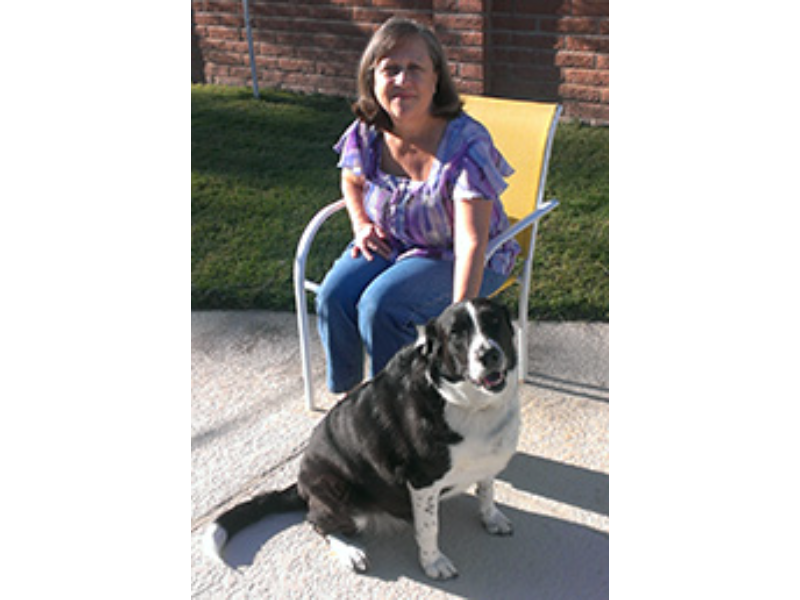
pixel 490 358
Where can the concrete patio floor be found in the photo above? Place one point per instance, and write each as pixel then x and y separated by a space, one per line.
pixel 249 425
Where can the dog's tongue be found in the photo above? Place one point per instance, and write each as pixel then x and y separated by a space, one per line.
pixel 492 380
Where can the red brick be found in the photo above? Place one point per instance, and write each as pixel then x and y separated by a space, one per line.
pixel 470 71
pixel 458 21
pixel 471 6
pixel 586 77
pixel 594 8
pixel 568 25
pixel 582 43
pixel 574 59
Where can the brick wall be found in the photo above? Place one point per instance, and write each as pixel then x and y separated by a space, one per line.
pixel 538 49
pixel 553 50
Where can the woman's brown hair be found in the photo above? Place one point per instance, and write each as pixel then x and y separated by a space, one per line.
pixel 446 101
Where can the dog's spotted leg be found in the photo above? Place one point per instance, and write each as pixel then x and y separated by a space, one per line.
pixel 425 504
pixel 493 520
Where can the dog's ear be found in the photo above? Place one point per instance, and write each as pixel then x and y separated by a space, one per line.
pixel 429 339
pixel 506 315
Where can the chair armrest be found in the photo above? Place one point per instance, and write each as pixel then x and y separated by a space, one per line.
pixel 309 233
pixel 519 226
pixel 300 287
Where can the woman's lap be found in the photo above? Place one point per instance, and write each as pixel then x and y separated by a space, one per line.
pixel 380 304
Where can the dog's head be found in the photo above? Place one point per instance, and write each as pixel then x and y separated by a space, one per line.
pixel 472 357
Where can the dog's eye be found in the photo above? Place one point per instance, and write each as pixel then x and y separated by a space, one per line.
pixel 491 321
pixel 460 329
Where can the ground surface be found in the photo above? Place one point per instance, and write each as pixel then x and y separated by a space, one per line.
pixel 249 425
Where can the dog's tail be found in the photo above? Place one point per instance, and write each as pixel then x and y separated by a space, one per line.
pixel 242 515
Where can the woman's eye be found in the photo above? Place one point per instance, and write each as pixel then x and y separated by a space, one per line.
pixel 390 71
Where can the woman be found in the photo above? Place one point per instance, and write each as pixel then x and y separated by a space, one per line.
pixel 421 181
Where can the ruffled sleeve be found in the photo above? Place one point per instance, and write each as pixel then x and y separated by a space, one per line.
pixel 483 171
pixel 354 148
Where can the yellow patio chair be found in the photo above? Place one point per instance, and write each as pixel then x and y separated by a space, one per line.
pixel 523 132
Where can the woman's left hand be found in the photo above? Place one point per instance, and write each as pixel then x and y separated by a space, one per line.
pixel 371 239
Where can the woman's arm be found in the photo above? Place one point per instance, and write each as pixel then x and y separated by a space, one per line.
pixel 471 231
pixel 353 193
pixel 367 236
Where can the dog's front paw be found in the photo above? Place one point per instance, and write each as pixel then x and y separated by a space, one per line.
pixel 497 523
pixel 438 566
pixel 349 554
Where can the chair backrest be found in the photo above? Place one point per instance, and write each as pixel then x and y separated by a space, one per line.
pixel 523 132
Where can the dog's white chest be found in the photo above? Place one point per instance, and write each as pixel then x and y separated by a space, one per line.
pixel 490 440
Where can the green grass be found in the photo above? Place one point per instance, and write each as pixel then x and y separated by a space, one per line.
pixel 262 168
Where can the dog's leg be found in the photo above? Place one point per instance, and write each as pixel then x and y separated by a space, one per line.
pixel 331 518
pixel 493 520
pixel 425 503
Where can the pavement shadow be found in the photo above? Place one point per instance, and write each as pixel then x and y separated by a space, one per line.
pixel 568 387
pixel 545 558
pixel 564 483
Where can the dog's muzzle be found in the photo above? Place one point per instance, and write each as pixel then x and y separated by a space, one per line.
pixel 488 368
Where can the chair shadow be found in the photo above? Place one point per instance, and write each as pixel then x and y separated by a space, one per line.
pixel 568 484
pixel 568 387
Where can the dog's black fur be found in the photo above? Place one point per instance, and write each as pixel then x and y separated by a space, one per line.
pixel 391 432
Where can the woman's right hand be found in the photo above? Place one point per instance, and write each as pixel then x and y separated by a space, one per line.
pixel 371 239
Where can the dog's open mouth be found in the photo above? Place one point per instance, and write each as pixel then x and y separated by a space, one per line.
pixel 494 381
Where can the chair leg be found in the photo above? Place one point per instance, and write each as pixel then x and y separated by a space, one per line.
pixel 301 306
pixel 522 332
pixel 524 298
pixel 522 341
pixel 305 354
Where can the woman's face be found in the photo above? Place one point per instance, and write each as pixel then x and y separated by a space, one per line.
pixel 405 82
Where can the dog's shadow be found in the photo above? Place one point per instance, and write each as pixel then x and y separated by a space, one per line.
pixel 242 549
pixel 546 557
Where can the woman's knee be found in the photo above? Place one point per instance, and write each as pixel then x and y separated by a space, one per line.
pixel 381 312
pixel 336 295
pixel 342 287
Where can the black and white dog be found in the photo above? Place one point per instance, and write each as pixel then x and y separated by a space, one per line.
pixel 442 416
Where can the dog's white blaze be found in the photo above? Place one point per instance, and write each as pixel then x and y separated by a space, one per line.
pixel 479 343
pixel 466 394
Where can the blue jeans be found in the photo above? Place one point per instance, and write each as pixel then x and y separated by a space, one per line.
pixel 376 306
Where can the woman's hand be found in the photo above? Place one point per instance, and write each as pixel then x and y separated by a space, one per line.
pixel 369 239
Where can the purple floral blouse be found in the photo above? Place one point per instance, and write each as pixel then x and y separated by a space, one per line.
pixel 418 215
